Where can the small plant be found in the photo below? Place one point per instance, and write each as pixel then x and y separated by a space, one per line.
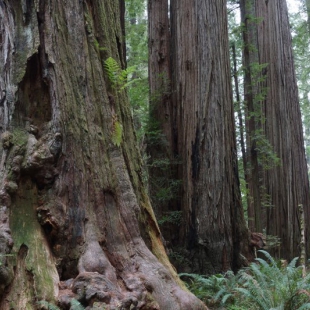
pixel 118 77
pixel 173 217
pixel 43 304
pixel 76 305
pixel 178 257
pixel 212 290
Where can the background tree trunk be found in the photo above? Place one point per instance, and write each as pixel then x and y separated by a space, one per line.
pixel 74 212
pixel 161 148
pixel 286 185
pixel 213 232
pixel 253 88
pixel 307 5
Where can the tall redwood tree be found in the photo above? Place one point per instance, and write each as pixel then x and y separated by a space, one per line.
pixel 74 213
pixel 198 124
pixel 283 185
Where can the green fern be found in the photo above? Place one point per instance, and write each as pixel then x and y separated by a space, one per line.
pixel 46 305
pixel 118 77
pixel 264 285
pixel 76 305
pixel 267 286
pixel 172 217
pixel 215 290
pixel 113 70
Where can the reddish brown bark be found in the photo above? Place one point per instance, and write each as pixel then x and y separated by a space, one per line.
pixel 160 142
pixel 212 234
pixel 286 185
pixel 74 211
pixel 252 89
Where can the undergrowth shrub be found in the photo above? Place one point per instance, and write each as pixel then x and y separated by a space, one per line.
pixel 264 285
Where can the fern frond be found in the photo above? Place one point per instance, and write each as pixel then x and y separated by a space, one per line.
pixel 269 257
pixel 76 305
pixel 293 263
pixel 47 305
pixel 226 297
pixel 118 77
pixel 252 297
pixel 263 263
pixel 304 306
pixel 113 70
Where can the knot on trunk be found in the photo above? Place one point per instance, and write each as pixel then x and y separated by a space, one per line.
pixel 257 240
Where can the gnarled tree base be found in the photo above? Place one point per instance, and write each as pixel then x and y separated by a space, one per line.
pixel 76 223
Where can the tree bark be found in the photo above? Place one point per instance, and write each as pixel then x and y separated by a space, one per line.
pixel 252 89
pixel 307 4
pixel 161 146
pixel 74 212
pixel 213 230
pixel 240 123
pixel 286 184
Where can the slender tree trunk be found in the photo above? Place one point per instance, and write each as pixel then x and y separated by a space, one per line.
pixel 307 4
pixel 238 99
pixel 242 130
pixel 286 185
pixel 252 90
pixel 74 212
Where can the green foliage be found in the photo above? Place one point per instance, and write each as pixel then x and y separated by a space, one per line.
pixel 211 289
pixel 117 77
pixel 267 157
pixel 137 56
pixel 264 285
pixel 178 257
pixel 173 217
pixel 166 190
pixel 43 304
pixel 112 69
pixel 76 305
pixel 165 187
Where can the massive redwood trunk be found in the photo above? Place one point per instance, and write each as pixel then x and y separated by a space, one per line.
pixel 198 123
pixel 285 185
pixel 74 213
